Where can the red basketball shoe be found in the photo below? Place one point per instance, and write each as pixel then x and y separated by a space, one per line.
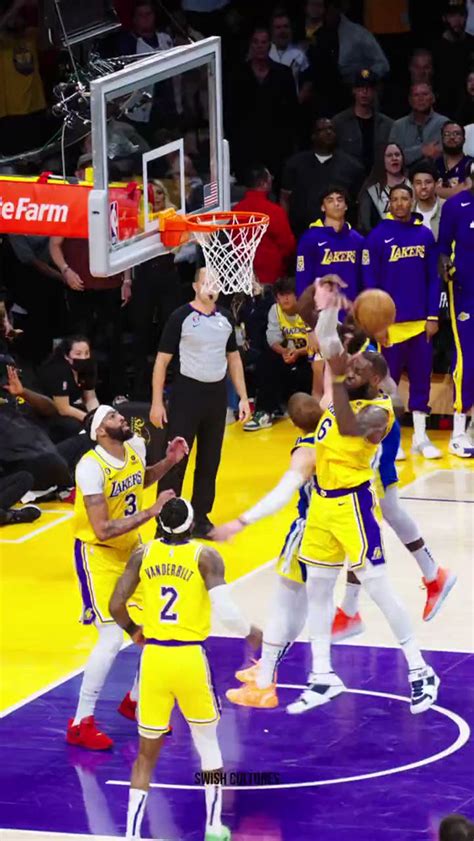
pixel 345 626
pixel 87 735
pixel 436 592
pixel 128 708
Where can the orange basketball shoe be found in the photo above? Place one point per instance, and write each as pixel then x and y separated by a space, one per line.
pixel 249 695
pixel 86 734
pixel 345 626
pixel 248 675
pixel 436 592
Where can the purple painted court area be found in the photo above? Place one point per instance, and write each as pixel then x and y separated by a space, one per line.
pixel 49 786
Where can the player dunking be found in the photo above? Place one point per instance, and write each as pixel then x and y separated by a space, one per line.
pixel 110 480
pixel 182 581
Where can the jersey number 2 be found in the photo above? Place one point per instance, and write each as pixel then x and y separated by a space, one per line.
pixel 171 595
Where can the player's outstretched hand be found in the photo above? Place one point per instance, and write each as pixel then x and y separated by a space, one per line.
pixel 244 411
pixel 177 449
pixel 328 292
pixel 14 385
pixel 338 364
pixel 158 416
pixel 255 638
pixel 226 531
pixel 163 497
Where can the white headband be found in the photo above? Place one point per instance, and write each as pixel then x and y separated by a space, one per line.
pixel 184 526
pixel 99 416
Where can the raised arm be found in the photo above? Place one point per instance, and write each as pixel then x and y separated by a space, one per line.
pixel 124 589
pixel 211 567
pixel 370 423
pixel 176 450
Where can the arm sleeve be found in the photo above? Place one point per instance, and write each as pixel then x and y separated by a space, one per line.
pixel 276 499
pixel 434 280
pixel 89 477
pixel 274 334
pixel 171 336
pixel 446 229
pixel 224 606
pixel 307 261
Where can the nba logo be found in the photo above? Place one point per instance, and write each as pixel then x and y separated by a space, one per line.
pixel 114 223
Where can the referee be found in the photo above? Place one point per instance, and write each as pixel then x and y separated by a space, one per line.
pixel 201 334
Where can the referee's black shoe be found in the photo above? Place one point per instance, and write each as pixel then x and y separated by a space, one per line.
pixel 202 528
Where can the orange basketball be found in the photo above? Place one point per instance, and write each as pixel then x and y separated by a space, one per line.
pixel 374 311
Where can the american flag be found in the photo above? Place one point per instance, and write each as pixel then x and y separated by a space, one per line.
pixel 211 194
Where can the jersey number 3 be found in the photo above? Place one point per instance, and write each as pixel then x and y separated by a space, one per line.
pixel 130 505
pixel 170 594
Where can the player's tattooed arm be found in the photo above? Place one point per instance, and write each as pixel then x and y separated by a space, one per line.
pixel 124 589
pixel 372 423
pixel 176 450
pixel 211 567
pixel 105 528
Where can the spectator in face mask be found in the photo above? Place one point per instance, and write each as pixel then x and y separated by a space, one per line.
pixel 69 378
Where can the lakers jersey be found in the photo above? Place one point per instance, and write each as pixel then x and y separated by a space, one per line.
pixel 293 328
pixel 123 492
pixel 176 602
pixel 344 461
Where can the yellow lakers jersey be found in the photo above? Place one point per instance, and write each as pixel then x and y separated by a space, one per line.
pixel 176 602
pixel 343 461
pixel 123 491
pixel 295 331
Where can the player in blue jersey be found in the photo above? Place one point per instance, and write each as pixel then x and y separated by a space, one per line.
pixel 288 606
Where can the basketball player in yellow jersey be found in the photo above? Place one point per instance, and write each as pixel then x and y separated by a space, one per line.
pixel 344 521
pixel 182 581
pixel 108 513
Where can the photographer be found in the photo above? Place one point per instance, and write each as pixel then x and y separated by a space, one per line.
pixel 69 378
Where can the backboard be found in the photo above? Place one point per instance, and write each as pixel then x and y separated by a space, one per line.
pixel 157 123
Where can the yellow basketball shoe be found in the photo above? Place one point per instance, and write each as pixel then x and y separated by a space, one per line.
pixel 248 675
pixel 249 695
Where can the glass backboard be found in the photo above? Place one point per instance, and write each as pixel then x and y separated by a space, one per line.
pixel 156 124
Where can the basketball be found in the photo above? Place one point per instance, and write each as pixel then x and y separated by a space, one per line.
pixel 374 311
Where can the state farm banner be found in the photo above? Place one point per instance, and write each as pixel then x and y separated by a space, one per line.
pixel 36 207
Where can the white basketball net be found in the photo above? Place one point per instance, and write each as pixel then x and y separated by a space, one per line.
pixel 229 253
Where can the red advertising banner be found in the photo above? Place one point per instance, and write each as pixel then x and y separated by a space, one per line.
pixel 37 207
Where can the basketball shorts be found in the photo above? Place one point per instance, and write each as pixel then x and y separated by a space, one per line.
pixel 98 568
pixel 343 523
pixel 172 674
pixel 288 565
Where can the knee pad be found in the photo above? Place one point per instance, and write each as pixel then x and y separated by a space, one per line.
pixel 207 746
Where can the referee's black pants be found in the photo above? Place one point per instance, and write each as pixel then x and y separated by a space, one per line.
pixel 197 411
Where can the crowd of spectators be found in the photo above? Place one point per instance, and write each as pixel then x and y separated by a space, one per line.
pixel 328 105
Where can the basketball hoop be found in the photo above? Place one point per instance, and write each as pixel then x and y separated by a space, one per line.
pixel 229 240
